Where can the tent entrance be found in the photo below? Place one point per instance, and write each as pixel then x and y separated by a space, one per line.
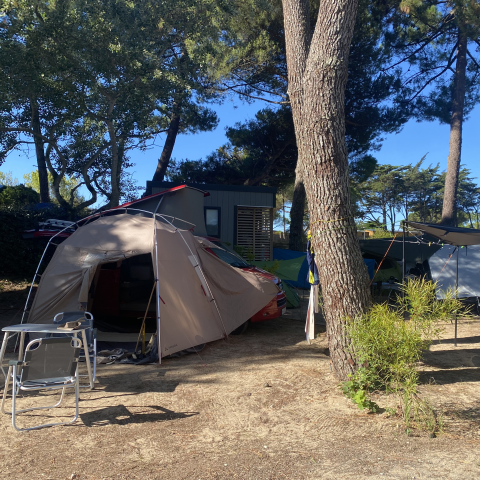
pixel 119 295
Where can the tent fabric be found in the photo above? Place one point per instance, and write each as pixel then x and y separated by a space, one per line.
pixel 450 235
pixel 286 269
pixel 414 252
pixel 293 300
pixel 370 263
pixel 444 270
pixel 283 254
pixel 293 267
pixel 188 316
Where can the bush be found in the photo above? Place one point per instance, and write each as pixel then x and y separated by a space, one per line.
pixel 389 341
pixel 18 195
pixel 19 256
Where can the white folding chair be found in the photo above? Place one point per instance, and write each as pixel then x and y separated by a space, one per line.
pixel 91 333
pixel 49 364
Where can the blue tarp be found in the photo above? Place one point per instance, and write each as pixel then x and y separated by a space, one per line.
pixel 302 281
pixel 370 263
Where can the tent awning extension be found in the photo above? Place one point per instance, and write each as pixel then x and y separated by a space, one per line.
pixel 415 252
pixel 460 237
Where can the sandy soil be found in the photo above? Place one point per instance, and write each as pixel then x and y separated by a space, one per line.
pixel 263 405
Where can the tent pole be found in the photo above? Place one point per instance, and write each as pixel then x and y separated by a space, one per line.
pixel 456 296
pixel 158 292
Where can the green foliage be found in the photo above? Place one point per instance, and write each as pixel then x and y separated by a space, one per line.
pixel 18 196
pixel 414 193
pixel 104 77
pixel 245 252
pixel 68 186
pixel 427 35
pixel 271 269
pixel 357 389
pixel 20 256
pixel 6 178
pixel 388 342
pixel 381 233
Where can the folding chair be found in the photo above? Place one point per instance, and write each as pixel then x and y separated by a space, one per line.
pixel 49 364
pixel 91 333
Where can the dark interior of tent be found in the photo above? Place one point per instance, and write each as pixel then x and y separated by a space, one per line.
pixel 120 293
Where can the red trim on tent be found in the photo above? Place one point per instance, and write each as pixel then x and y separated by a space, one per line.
pixel 153 195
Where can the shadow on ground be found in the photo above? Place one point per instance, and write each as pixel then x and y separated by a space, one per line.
pixel 121 415
pixel 445 377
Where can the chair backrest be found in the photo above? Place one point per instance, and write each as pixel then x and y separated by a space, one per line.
pixel 64 317
pixel 51 358
pixel 86 318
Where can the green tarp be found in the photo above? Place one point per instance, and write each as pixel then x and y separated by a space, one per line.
pixel 293 300
pixel 285 270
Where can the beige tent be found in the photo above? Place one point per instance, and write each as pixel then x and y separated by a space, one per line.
pixel 199 297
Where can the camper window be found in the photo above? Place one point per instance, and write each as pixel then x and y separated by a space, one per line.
pixel 212 221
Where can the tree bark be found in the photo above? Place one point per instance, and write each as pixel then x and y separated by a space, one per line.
pixel 295 240
pixel 40 153
pixel 317 76
pixel 116 168
pixel 164 159
pixel 449 212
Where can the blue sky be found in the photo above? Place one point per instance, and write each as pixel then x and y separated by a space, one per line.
pixel 414 141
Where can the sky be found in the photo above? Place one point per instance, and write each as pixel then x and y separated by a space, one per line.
pixel 414 141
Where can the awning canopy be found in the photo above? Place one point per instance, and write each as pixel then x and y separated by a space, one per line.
pixel 452 235
pixel 415 252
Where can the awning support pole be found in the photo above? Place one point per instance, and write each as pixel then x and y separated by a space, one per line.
pixel 456 296
pixel 157 279
pixel 403 262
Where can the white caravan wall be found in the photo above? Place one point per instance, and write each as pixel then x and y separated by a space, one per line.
pixel 468 270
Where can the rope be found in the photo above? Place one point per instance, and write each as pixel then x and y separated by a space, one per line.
pixel 380 264
pixel 448 259
pixel 335 220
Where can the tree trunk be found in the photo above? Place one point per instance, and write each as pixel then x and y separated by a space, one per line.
pixel 295 239
pixel 116 167
pixel 384 216
pixel 40 153
pixel 449 212
pixel 317 76
pixel 164 159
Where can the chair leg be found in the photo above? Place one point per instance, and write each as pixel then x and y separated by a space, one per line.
pixel 7 385
pixel 42 408
pixel 14 394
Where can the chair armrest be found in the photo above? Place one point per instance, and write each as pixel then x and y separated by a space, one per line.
pixel 17 363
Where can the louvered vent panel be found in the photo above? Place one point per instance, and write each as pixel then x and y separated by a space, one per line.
pixel 254 231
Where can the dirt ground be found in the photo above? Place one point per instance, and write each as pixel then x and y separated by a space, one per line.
pixel 263 405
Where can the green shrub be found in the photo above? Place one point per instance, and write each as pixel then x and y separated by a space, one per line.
pixel 388 342
pixel 245 252
pixel 18 195
pixel 19 256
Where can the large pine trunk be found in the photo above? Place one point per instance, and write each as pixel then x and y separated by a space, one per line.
pixel 449 212
pixel 317 74
pixel 164 159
